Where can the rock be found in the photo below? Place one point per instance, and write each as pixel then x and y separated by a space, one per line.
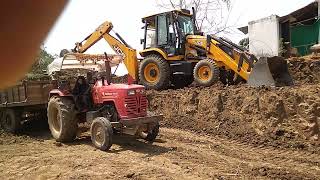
pixel 173 148
pixel 58 144
pixel 130 175
pixel 175 162
pixel 263 171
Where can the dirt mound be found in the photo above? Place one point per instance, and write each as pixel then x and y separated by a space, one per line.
pixel 286 116
pixel 69 74
pixel 120 79
pixel 305 70
pixel 282 116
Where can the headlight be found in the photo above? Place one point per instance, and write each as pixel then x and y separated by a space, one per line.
pixel 131 92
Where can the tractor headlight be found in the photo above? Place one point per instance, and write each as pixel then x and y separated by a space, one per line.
pixel 131 92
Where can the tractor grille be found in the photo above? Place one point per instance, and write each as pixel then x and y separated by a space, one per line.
pixel 136 105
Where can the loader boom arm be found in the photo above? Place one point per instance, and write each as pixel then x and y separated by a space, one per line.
pixel 119 46
pixel 230 56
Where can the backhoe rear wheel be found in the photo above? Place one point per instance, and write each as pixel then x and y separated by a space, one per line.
pixel 154 72
pixel 206 73
pixel 61 119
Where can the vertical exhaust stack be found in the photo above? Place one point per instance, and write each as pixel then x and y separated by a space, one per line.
pixel 108 69
pixel 270 72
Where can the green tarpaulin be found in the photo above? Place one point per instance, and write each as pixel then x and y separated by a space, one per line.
pixel 304 36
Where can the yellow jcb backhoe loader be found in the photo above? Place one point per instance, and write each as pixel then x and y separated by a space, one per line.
pixel 176 53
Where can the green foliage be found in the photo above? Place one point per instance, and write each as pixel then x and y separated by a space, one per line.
pixel 244 43
pixel 43 60
pixel 282 48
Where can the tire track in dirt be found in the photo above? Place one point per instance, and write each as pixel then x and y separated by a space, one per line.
pixel 298 163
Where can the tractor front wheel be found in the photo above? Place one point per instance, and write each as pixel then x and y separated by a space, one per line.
pixel 101 133
pixel 153 133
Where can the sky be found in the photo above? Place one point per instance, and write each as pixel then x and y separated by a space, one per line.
pixel 82 17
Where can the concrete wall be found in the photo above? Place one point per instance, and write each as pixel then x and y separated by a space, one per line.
pixel 264 36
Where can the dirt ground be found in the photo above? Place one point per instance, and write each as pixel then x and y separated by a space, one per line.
pixel 221 132
pixel 176 154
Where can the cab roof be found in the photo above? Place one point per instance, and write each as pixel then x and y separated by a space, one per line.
pixel 181 11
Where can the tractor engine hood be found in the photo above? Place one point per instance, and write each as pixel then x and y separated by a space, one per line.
pixel 119 88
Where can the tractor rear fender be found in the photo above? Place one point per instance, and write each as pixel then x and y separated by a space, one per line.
pixel 57 92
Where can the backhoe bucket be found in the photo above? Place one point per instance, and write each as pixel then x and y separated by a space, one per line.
pixel 270 72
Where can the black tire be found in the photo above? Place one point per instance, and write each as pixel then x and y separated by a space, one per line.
pixel 181 82
pixel 153 133
pixel 11 121
pixel 61 119
pixel 211 76
pixel 101 133
pixel 162 78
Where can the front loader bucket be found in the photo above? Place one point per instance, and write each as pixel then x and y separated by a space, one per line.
pixel 270 72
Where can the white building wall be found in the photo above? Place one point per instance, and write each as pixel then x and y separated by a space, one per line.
pixel 264 36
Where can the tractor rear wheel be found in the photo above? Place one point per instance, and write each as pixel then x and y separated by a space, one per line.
pixel 61 119
pixel 154 72
pixel 101 133
pixel 206 72
pixel 11 121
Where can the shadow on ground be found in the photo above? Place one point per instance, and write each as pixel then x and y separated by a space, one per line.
pixel 129 143
pixel 39 130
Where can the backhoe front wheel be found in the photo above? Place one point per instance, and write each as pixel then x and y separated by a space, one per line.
pixel 154 72
pixel 206 73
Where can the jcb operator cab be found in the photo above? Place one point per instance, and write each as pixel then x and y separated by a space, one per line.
pixel 168 31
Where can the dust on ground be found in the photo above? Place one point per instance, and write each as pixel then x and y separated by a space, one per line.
pixel 220 132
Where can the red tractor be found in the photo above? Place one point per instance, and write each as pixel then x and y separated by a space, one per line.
pixel 110 109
